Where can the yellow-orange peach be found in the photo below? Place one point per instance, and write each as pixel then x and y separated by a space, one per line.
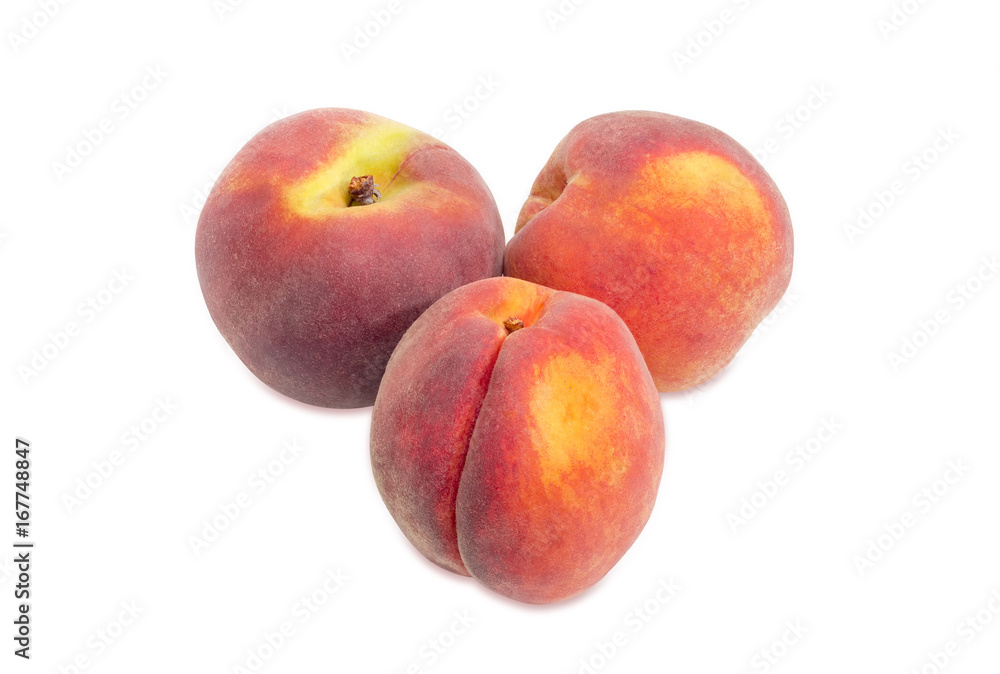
pixel 327 235
pixel 518 437
pixel 671 223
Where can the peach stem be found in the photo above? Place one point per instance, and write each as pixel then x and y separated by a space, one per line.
pixel 363 191
pixel 513 324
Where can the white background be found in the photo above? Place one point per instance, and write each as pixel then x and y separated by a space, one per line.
pixel 855 296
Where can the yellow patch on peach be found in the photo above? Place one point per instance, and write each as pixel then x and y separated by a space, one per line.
pixel 570 408
pixel 711 187
pixel 377 150
pixel 524 301
pixel 702 181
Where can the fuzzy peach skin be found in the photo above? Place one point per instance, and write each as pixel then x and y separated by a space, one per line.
pixel 671 223
pixel 313 293
pixel 528 458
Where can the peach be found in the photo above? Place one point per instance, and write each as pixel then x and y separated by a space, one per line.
pixel 671 223
pixel 518 438
pixel 326 236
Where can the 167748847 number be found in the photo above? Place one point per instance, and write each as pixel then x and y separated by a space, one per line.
pixel 22 475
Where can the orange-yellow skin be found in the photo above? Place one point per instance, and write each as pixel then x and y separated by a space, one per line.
pixel 313 294
pixel 671 223
pixel 529 460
